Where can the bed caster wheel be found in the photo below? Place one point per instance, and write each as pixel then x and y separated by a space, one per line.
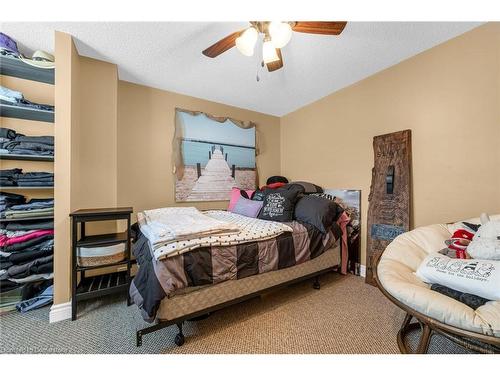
pixel 316 284
pixel 179 339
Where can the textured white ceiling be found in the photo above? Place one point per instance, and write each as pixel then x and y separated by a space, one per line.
pixel 167 55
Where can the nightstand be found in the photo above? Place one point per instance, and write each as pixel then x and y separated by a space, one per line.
pixel 100 285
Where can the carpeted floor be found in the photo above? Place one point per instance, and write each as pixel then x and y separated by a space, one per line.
pixel 345 316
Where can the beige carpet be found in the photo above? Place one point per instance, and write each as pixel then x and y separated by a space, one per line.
pixel 345 316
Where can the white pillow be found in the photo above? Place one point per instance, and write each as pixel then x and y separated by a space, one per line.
pixel 474 276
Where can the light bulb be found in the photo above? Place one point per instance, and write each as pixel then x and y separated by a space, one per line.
pixel 280 33
pixel 246 41
pixel 269 52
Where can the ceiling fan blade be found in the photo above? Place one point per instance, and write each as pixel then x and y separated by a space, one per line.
pixel 222 45
pixel 319 27
pixel 275 65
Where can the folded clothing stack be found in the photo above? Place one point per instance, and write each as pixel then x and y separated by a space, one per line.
pixel 12 97
pixel 15 177
pixel 26 263
pixel 36 207
pixel 8 200
pixel 35 179
pixel 8 177
pixel 12 142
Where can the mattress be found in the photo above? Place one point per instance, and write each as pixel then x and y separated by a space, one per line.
pixel 194 299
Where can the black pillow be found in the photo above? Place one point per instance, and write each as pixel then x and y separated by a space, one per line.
pixel 274 179
pixel 279 204
pixel 324 195
pixel 309 188
pixel 317 211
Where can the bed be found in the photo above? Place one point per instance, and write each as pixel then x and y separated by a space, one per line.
pixel 190 284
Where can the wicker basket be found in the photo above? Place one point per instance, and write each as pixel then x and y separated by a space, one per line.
pixel 100 256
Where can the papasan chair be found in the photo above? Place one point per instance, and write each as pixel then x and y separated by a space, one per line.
pixel 477 330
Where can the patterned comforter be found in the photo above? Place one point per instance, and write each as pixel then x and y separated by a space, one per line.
pixel 158 278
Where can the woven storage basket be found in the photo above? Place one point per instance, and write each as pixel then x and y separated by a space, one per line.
pixel 99 256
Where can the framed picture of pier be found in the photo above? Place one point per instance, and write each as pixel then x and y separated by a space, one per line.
pixel 212 155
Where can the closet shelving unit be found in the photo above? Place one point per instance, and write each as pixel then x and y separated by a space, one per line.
pixel 26 157
pixel 15 111
pixel 27 187
pixel 10 66
pixel 13 67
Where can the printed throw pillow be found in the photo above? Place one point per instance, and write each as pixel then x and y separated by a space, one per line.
pixel 247 207
pixel 473 276
pixel 319 212
pixel 259 195
pixel 279 204
pixel 236 194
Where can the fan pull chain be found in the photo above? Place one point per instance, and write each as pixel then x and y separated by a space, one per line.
pixel 262 66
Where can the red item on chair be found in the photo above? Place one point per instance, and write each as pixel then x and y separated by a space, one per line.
pixel 462 234
pixel 459 242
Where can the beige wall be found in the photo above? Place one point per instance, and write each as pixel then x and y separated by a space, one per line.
pixel 448 96
pixel 96 166
pixel 145 132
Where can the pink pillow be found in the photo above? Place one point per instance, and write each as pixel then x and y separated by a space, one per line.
pixel 235 196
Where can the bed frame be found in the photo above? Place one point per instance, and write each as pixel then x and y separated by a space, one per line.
pixel 179 338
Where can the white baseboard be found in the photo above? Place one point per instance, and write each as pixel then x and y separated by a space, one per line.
pixel 362 270
pixel 60 312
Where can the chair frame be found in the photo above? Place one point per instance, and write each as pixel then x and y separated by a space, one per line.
pixel 428 326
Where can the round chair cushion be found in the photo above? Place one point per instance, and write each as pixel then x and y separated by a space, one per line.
pixel 396 273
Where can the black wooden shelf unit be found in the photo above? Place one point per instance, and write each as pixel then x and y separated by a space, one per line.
pixel 25 113
pixel 99 285
pixel 103 239
pixel 11 66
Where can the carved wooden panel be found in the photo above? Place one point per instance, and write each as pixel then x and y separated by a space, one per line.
pixel 390 194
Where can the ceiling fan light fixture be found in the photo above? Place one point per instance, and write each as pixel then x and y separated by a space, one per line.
pixel 246 41
pixel 269 52
pixel 281 33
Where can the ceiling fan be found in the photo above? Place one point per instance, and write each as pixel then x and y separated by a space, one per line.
pixel 276 36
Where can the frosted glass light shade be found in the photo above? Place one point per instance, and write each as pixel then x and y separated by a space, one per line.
pixel 246 41
pixel 281 33
pixel 269 52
